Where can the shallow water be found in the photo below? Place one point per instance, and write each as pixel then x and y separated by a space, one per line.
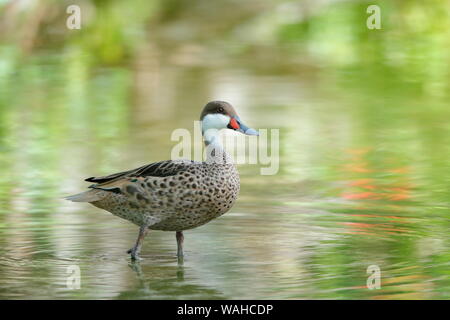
pixel 363 178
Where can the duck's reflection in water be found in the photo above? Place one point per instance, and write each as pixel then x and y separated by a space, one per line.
pixel 156 282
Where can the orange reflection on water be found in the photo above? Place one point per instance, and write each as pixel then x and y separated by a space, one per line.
pixel 374 187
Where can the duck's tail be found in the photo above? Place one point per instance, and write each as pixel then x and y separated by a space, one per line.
pixel 87 196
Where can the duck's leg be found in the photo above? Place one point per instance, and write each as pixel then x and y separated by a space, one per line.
pixel 143 230
pixel 180 240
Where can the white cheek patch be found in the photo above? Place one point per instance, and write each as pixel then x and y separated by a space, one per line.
pixel 215 121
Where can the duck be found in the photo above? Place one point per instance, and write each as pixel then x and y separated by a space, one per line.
pixel 175 195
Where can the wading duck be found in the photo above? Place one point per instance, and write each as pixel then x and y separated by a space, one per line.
pixel 174 195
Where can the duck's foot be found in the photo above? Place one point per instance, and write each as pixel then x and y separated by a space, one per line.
pixel 180 240
pixel 135 256
pixel 134 252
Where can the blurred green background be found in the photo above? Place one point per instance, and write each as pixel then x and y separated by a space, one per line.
pixel 364 141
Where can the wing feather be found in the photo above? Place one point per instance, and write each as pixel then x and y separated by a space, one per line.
pixel 114 182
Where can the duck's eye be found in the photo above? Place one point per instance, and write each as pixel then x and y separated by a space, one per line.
pixel 220 110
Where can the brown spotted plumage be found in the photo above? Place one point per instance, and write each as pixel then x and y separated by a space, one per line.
pixel 174 195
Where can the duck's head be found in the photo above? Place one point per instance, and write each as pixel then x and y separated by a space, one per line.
pixel 221 115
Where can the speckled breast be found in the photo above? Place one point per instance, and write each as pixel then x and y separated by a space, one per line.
pixel 205 197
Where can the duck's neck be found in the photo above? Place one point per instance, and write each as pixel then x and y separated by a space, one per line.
pixel 215 153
